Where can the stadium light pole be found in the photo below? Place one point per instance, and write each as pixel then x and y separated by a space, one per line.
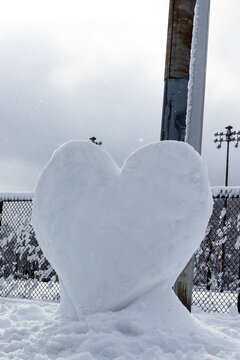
pixel 228 136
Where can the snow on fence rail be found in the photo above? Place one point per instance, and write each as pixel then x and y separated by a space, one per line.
pixel 25 196
pixel 225 191
pixel 24 271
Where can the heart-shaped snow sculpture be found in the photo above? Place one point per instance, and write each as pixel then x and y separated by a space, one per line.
pixel 112 234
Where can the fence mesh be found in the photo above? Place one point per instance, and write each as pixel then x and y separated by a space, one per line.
pixel 25 272
pixel 217 262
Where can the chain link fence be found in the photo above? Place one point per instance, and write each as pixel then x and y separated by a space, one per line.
pixel 25 272
pixel 217 262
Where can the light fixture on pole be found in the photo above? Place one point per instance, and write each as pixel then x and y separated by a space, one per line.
pixel 229 136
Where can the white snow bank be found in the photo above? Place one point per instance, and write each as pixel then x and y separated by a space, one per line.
pixel 113 234
pixel 149 329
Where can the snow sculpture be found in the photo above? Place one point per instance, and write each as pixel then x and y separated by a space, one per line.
pixel 113 234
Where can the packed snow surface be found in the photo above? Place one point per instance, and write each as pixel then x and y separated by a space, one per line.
pixel 149 329
pixel 113 234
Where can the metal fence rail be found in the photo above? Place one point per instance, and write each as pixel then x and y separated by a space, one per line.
pixel 25 273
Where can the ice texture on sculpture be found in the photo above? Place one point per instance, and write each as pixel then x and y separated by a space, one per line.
pixel 113 234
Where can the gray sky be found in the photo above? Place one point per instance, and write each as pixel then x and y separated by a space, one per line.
pixel 74 69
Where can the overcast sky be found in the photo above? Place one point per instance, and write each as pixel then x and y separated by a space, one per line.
pixel 74 69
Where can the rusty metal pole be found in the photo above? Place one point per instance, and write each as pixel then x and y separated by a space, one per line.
pixel 180 27
pixel 177 97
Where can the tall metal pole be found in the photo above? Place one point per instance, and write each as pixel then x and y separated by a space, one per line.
pixel 180 26
pixel 177 97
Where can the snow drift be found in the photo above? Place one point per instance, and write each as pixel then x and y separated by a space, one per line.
pixel 114 234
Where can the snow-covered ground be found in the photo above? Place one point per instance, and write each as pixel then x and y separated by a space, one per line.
pixel 146 330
